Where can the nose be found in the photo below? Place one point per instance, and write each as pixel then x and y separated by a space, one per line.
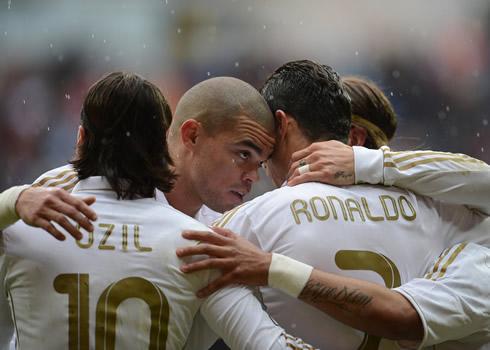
pixel 252 175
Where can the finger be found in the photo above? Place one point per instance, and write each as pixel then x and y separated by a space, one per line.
pixel 225 232
pixel 72 212
pixel 221 282
pixel 302 153
pixel 306 177
pixel 67 225
pixel 81 204
pixel 203 249
pixel 47 226
pixel 206 264
pixel 204 236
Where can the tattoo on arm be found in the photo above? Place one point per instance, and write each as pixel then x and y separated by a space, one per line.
pixel 342 174
pixel 345 298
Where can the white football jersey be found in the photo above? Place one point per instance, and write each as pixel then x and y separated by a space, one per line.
pixel 453 299
pixel 387 236
pixel 120 287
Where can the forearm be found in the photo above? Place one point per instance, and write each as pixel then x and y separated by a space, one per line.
pixel 364 305
pixel 456 178
pixel 8 198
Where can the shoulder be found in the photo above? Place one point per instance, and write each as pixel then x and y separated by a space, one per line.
pixel 64 177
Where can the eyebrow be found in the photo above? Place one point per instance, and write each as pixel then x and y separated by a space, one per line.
pixel 252 145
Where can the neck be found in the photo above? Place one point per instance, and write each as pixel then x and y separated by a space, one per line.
pixel 182 199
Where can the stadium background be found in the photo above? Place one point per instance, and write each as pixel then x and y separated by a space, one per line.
pixel 430 58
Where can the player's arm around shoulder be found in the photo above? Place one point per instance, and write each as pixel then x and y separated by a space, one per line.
pixel 237 316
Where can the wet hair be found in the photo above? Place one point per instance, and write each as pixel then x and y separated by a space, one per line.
pixel 217 102
pixel 125 119
pixel 371 110
pixel 314 96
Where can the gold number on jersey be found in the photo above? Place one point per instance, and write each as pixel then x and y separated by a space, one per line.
pixel 369 261
pixel 77 288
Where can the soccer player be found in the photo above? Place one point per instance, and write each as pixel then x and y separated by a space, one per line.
pixel 120 287
pixel 295 226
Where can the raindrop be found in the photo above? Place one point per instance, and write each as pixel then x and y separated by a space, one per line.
pixel 447 108
pixel 51 45
pixel 357 53
pixel 107 58
pixel 178 30
pixel 485 122
pixel 128 133
pixel 300 23
pixel 477 134
pixel 441 115
pixel 172 12
pixel 144 46
pixel 264 26
pixel 237 64
pixel 293 325
pixel 104 41
pixel 396 74
pixel 9 3
pixel 166 2
pixel 48 128
pixel 93 36
pixel 476 73
pixel 250 9
pixel 5 33
pixel 391 93
pixel 482 149
pixel 61 58
pixel 24 101
pixel 209 74
pixel 67 96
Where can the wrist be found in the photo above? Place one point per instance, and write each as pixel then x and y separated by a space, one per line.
pixel 8 199
pixel 288 275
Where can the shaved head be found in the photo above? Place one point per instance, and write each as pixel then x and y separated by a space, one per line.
pixel 217 103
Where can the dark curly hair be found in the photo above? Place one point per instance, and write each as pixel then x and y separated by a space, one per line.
pixel 314 96
pixel 125 118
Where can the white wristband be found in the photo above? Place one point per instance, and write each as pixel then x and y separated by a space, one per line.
pixel 8 198
pixel 288 275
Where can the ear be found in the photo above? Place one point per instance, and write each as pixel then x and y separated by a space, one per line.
pixel 80 137
pixel 357 136
pixel 189 131
pixel 281 123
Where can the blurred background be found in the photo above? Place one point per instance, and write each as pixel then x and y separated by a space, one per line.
pixel 430 58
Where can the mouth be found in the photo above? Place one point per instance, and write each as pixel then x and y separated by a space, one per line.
pixel 240 194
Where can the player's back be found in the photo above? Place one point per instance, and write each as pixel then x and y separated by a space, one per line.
pixel 119 287
pixel 383 235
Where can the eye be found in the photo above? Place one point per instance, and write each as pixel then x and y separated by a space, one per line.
pixel 244 154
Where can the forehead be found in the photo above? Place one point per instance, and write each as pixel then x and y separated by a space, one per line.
pixel 248 132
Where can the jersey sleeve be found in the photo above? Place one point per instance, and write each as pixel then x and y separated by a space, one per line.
pixel 453 298
pixel 453 177
pixel 6 325
pixel 237 316
pixel 64 177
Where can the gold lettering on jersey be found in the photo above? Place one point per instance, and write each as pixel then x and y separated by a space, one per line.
pixel 389 208
pixel 407 217
pixel 125 237
pixel 108 232
pixel 90 240
pixel 302 210
pixel 368 211
pixel 353 205
pixel 137 240
pixel 332 207
pixel 314 209
pixel 388 216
